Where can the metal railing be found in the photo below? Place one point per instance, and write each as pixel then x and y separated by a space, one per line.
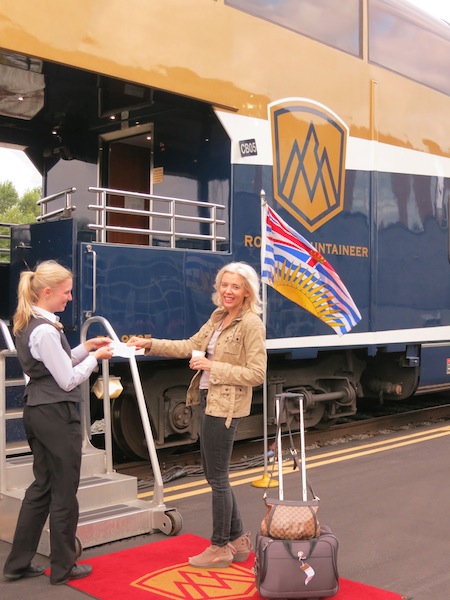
pixel 5 242
pixel 63 212
pixel 158 491
pixel 168 213
pixel 165 224
pixel 8 352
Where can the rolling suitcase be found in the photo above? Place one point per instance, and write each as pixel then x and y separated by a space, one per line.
pixel 290 569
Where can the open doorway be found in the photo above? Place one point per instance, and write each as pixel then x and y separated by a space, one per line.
pixel 127 165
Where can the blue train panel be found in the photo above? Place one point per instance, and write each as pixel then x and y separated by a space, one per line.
pixel 165 293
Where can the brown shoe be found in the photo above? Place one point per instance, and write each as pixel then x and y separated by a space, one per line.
pixel 241 547
pixel 214 557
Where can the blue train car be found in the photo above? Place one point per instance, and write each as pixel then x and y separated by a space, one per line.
pixel 155 160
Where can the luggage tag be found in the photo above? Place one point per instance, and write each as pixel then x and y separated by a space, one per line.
pixel 307 569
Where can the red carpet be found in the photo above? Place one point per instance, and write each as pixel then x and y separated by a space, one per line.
pixel 160 571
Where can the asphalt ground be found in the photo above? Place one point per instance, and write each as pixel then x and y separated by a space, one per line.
pixel 385 497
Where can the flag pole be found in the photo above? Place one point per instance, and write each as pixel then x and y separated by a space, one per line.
pixel 266 480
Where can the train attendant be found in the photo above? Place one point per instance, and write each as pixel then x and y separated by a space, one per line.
pixel 229 356
pixel 52 422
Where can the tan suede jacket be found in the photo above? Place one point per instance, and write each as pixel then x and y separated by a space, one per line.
pixel 240 362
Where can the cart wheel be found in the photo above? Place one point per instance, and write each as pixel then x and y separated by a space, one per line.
pixel 176 520
pixel 78 547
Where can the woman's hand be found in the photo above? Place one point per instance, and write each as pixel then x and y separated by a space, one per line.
pixel 139 342
pixel 104 352
pixel 95 343
pixel 200 363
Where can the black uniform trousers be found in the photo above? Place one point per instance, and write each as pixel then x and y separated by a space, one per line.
pixel 54 434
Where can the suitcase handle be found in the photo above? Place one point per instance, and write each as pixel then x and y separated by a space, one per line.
pixel 297 464
pixel 312 545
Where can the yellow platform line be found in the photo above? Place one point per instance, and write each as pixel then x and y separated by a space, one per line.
pixel 248 475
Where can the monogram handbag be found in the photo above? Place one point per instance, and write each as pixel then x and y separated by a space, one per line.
pixel 291 519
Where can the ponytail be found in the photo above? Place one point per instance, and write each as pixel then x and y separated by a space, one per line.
pixel 47 274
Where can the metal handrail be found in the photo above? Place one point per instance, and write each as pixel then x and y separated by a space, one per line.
pixel 65 212
pixel 7 336
pixel 6 237
pixel 172 216
pixel 2 422
pixel 84 408
pixel 10 351
pixel 158 494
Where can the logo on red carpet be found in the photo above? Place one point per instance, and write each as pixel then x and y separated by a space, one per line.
pixel 183 582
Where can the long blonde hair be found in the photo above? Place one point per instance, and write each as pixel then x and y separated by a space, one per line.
pixel 46 274
pixel 251 285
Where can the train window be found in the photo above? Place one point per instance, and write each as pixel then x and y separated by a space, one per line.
pixel 317 19
pixel 418 49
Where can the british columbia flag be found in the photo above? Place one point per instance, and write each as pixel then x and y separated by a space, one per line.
pixel 292 266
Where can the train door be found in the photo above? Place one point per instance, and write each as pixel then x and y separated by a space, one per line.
pixel 126 165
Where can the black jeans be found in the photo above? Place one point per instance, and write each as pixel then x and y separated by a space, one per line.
pixel 216 446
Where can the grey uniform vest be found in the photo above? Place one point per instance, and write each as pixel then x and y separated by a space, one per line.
pixel 42 387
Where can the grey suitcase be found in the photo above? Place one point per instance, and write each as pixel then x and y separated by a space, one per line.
pixel 297 569
pixel 291 569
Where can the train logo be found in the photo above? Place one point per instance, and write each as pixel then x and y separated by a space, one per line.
pixel 183 582
pixel 309 144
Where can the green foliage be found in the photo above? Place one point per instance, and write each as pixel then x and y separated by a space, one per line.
pixel 24 210
pixel 8 196
pixel 15 210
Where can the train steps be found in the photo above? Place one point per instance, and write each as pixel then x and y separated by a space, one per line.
pixel 109 507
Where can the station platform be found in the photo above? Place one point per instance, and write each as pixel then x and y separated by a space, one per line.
pixel 386 498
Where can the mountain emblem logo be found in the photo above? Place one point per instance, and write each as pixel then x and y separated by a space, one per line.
pixel 309 145
pixel 183 582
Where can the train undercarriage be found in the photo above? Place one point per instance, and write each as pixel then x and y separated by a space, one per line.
pixel 331 385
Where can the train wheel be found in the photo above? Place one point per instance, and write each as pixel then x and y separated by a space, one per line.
pixel 312 418
pixel 127 427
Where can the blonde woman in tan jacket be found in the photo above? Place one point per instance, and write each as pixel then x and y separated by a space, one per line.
pixel 230 360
